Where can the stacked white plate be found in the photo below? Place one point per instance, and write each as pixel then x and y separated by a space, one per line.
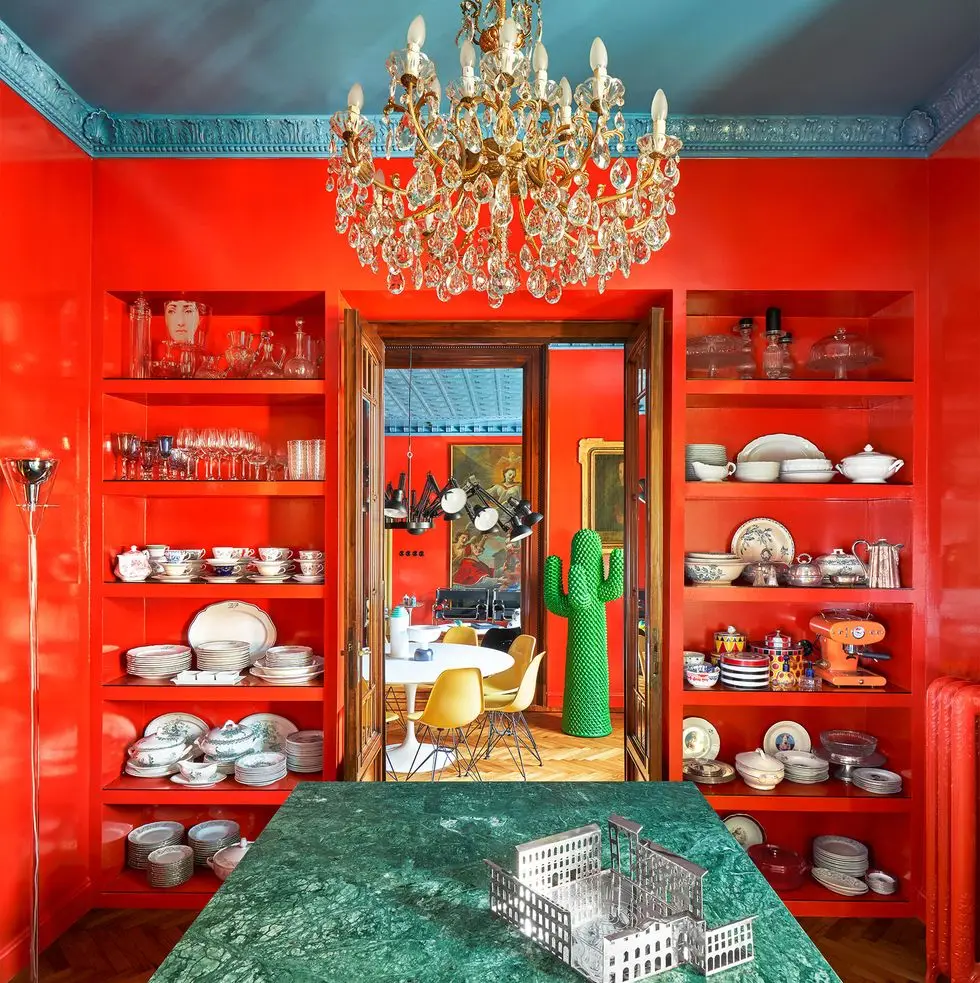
pixel 806 470
pixel 804 768
pixel 285 656
pixel 158 661
pixel 843 884
pixel 880 781
pixel 220 656
pixel 143 840
pixel 304 751
pixel 745 671
pixel 260 768
pixel 706 454
pixel 840 854
pixel 207 838
pixel 170 866
pixel 287 674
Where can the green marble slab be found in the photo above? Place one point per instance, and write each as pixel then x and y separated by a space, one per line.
pixel 385 883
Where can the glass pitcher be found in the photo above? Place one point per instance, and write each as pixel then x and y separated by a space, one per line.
pixel 300 366
pixel 240 353
pixel 207 368
pixel 268 365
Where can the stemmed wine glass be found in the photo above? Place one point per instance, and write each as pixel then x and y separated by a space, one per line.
pixel 165 446
pixel 131 453
pixel 149 455
pixel 237 442
pixel 258 456
pixel 119 444
pixel 213 442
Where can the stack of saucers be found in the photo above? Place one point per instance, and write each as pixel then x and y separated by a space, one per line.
pixel 287 674
pixel 158 661
pixel 880 781
pixel 806 471
pixel 743 671
pixel 170 866
pixel 288 656
pixel 705 454
pixel 223 655
pixel 840 854
pixel 143 840
pixel 207 838
pixel 803 767
pixel 304 751
pixel 844 884
pixel 260 768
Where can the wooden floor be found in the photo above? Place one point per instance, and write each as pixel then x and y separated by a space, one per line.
pixel 564 758
pixel 127 946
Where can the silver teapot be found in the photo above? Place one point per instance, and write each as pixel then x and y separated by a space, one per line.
pixel 882 563
pixel 803 573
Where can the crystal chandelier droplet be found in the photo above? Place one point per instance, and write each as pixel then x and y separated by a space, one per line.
pixel 499 195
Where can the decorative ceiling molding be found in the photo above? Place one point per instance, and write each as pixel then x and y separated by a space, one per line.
pixel 447 429
pixel 103 134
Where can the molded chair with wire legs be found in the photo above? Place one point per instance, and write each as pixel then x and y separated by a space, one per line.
pixel 500 639
pixel 461 635
pixel 507 723
pixel 455 702
pixel 504 684
pixel 390 718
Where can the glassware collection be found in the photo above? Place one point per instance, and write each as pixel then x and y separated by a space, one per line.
pixel 184 354
pixel 226 565
pixel 732 355
pixel 179 457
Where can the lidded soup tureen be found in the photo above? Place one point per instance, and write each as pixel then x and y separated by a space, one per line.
pixel 870 467
pixel 162 748
pixel 229 741
pixel 228 858
pixel 759 770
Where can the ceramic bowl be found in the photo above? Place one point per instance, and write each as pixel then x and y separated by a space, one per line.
pixel 717 572
pixel 702 676
pixel 757 471
pixel 694 659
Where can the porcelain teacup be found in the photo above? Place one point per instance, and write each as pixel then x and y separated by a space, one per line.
pixel 275 553
pixel 195 554
pixel 229 569
pixel 156 551
pixel 311 554
pixel 272 568
pixel 177 569
pixel 175 556
pixel 231 552
pixel 311 568
pixel 198 772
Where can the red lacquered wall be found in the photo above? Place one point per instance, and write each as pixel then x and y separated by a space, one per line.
pixel 45 200
pixel 585 399
pixel 954 307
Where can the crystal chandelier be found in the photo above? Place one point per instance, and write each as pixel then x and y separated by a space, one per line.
pixel 511 144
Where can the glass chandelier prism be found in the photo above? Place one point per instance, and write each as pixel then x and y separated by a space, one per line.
pixel 514 179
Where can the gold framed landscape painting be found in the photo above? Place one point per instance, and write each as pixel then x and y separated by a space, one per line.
pixel 485 559
pixel 603 491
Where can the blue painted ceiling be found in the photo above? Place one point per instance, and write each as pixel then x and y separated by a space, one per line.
pixel 300 56
pixel 455 401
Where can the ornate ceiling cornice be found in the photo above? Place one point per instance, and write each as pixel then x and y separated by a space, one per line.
pixel 102 134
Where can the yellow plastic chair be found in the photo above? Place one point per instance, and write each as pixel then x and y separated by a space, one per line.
pixel 461 635
pixel 390 718
pixel 455 702
pixel 504 684
pixel 505 716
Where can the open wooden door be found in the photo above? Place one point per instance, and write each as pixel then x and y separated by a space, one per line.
pixel 643 478
pixel 363 544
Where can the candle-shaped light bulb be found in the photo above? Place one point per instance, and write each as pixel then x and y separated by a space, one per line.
pixel 437 92
pixel 539 59
pixel 416 32
pixel 467 56
pixel 598 56
pixel 564 94
pixel 508 31
pixel 658 109
pixel 355 98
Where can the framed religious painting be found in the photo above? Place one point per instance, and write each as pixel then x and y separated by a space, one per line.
pixel 603 490
pixel 485 559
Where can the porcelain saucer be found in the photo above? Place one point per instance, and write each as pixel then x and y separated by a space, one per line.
pixel 179 779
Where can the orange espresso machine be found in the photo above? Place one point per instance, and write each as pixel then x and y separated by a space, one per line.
pixel 843 637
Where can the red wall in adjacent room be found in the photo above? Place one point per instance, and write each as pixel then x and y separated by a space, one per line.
pixel 585 399
pixel 954 306
pixel 46 204
pixel 422 575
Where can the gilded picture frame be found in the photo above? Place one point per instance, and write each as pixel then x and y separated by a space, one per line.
pixel 603 491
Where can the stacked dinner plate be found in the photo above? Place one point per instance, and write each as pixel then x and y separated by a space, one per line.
pixel 806 471
pixel 158 661
pixel 304 751
pixel 803 767
pixel 260 768
pixel 170 866
pixel 745 671
pixel 877 780
pixel 843 884
pixel 287 674
pixel 222 655
pixel 288 656
pixel 207 838
pixel 840 854
pixel 705 454
pixel 143 840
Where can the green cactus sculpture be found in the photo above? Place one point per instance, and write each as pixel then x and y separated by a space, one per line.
pixel 585 710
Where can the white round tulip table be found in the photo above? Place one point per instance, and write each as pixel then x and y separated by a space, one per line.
pixel 412 674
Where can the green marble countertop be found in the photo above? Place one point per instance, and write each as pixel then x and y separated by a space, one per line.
pixel 384 883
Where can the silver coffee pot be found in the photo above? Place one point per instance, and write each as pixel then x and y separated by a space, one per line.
pixel 882 563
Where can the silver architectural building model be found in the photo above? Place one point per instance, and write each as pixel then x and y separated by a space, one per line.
pixel 641 917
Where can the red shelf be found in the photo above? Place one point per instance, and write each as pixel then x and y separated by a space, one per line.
pixel 126 790
pixel 788 491
pixel 214 489
pixel 130 889
pixel 814 900
pixel 885 696
pixel 831 796
pixel 811 595
pixel 823 391
pixel 235 591
pixel 248 690
pixel 215 391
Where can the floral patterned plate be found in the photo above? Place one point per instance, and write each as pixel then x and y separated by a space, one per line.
pixel 273 728
pixel 753 537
